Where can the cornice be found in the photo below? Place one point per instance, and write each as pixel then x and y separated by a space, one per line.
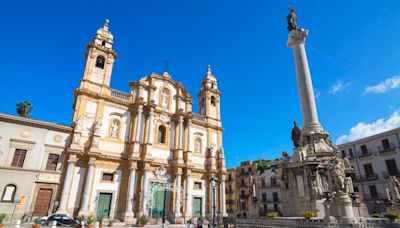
pixel 34 123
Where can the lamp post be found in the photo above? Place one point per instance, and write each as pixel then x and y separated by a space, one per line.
pixel 214 181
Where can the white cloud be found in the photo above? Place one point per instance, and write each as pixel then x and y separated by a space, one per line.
pixel 338 86
pixel 384 86
pixel 362 129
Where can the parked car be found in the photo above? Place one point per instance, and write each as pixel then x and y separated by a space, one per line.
pixel 61 219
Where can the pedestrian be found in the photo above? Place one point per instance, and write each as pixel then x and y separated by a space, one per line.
pixel 199 223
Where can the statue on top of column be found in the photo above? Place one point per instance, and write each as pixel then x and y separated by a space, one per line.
pixel 292 20
pixel 296 135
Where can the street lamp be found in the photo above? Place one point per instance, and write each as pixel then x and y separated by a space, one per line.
pixel 214 181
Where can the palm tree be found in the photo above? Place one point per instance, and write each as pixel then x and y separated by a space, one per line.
pixel 24 109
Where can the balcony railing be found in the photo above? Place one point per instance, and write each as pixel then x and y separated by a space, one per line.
pixel 198 117
pixel 387 174
pixel 378 196
pixel 119 94
pixel 362 178
pixel 391 148
pixel 361 154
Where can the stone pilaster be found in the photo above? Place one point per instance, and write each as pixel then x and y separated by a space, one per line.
pixel 129 215
pixel 62 209
pixel 143 206
pixel 136 145
pixel 177 212
pixel 223 196
pixel 87 188
pixel 189 187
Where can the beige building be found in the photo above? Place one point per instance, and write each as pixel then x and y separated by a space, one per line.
pixel 31 161
pixel 269 188
pixel 142 152
pixel 247 189
pixel 231 193
pixel 374 158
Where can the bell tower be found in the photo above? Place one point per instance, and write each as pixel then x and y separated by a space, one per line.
pixel 209 96
pixel 100 58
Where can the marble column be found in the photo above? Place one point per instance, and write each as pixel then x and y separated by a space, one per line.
pixel 223 197
pixel 131 194
pixel 188 206
pixel 62 208
pixel 180 144
pixel 143 206
pixel 150 137
pixel 87 188
pixel 138 124
pixel 296 41
pixel 178 196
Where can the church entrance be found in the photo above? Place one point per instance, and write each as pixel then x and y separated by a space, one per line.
pixel 104 205
pixel 157 210
pixel 197 207
pixel 43 200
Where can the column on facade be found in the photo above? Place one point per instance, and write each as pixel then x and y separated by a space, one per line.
pixel 150 137
pixel 223 196
pixel 131 191
pixel 189 130
pixel 178 195
pixel 180 144
pixel 62 209
pixel 144 191
pixel 138 124
pixel 189 188
pixel 87 188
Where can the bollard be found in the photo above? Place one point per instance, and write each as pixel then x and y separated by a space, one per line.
pixel 96 224
pixel 18 224
pixel 54 224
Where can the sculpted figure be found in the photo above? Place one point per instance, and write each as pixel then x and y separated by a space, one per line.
pixel 164 99
pixel 292 20
pixel 78 124
pixel 338 175
pixel 395 187
pixel 114 129
pixel 296 135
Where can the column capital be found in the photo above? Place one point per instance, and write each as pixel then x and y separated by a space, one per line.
pixel 297 37
pixel 180 119
pixel 188 173
pixel 178 171
pixel 92 161
pixel 139 109
pixel 72 158
pixel 133 165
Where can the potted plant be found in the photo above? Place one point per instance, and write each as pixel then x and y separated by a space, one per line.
pixel 36 222
pixel 392 216
pixel 272 214
pixel 79 220
pixel 3 218
pixel 110 222
pixel 90 221
pixel 100 220
pixel 143 220
pixel 307 214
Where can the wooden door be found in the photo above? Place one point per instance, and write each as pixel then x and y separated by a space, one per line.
pixel 104 205
pixel 43 200
pixel 197 207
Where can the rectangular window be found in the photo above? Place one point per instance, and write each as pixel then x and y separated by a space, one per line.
pixel 108 177
pixel 369 172
pixel 374 193
pixel 350 152
pixel 197 185
pixel 263 183
pixel 355 189
pixel 343 154
pixel 386 144
pixel 52 162
pixel 264 197
pixel 265 207
pixel 19 158
pixel 364 149
pixel 273 182
pixel 276 207
pixel 275 197
pixel 391 167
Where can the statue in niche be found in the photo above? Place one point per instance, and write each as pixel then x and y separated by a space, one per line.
pixel 160 172
pixel 292 20
pixel 296 135
pixel 78 124
pixel 394 187
pixel 114 129
pixel 164 98
pixel 197 145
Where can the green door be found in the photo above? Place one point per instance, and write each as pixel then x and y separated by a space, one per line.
pixel 197 207
pixel 104 205
pixel 158 201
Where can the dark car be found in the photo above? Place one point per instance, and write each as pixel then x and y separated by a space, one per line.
pixel 61 219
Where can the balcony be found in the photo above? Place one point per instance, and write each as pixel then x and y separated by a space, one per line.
pixel 363 178
pixel 378 196
pixel 383 150
pixel 367 153
pixel 387 174
pixel 119 94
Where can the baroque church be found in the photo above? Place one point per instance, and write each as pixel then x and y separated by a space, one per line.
pixel 142 152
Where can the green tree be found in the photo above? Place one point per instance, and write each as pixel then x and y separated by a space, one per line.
pixel 24 109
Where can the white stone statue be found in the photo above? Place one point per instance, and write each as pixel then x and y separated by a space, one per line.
pixel 197 145
pixel 164 99
pixel 114 129
pixel 160 172
pixel 394 187
pixel 78 124
pixel 338 175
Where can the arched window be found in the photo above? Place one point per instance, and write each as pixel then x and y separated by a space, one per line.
pixel 161 134
pixel 197 145
pixel 100 62
pixel 103 43
pixel 114 128
pixel 213 101
pixel 9 193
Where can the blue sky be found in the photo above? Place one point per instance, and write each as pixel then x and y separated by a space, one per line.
pixel 353 50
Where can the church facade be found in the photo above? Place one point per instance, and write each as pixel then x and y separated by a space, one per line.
pixel 142 152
